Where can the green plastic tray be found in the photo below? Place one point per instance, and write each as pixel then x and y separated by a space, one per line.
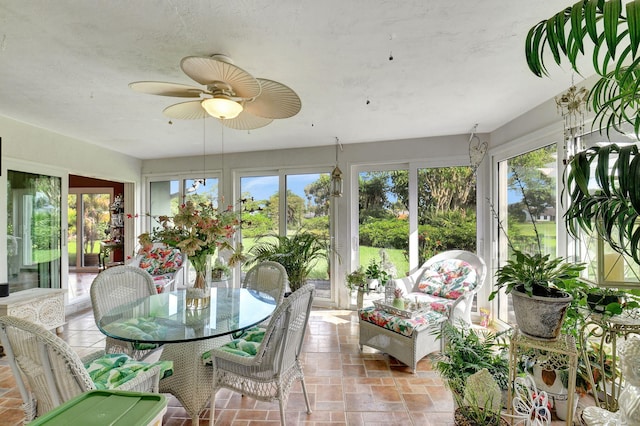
pixel 107 408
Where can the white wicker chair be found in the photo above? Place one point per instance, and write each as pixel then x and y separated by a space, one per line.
pixel 269 374
pixel 117 286
pixel 423 339
pixel 54 372
pixel 267 277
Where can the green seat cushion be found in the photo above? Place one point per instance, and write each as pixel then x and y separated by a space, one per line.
pixel 139 328
pixel 112 370
pixel 246 345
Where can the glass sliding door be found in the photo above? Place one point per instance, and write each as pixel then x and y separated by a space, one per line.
pixel 87 229
pixel 308 207
pixel 530 178
pixel 383 219
pixel 260 208
pixel 33 230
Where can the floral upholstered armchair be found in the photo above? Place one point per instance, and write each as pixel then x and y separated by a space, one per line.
pixel 444 286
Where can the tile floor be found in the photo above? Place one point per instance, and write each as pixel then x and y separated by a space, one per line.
pixel 346 387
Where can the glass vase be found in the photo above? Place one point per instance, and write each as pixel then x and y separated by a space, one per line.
pixel 199 287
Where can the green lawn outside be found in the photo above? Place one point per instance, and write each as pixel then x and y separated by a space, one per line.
pixel 395 255
pixel 366 253
pixel 547 231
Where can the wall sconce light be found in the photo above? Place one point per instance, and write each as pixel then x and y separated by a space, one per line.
pixel 335 189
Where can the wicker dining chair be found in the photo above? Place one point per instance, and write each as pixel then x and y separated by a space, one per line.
pixel 269 374
pixel 55 373
pixel 117 286
pixel 267 277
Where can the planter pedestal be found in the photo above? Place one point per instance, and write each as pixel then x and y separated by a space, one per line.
pixel 549 355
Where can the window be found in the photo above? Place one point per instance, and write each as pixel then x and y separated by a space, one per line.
pixel 88 224
pixel 165 195
pixel 526 196
pixel 305 207
pixel 407 214
pixel 605 266
pixel 383 218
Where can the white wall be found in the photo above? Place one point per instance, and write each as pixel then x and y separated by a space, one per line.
pixel 35 150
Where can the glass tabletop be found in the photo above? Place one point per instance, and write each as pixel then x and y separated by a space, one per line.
pixel 164 317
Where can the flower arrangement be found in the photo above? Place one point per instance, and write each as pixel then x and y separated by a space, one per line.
pixel 198 230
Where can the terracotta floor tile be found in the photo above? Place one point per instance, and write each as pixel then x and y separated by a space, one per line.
pixel 345 386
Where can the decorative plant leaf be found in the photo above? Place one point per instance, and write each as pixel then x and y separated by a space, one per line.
pixel 612 10
pixel 613 210
pixel 615 96
pixel 633 12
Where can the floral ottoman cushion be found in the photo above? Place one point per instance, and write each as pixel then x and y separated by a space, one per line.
pixel 401 325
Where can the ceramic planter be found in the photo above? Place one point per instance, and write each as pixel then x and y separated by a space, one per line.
pixel 540 317
pixel 598 302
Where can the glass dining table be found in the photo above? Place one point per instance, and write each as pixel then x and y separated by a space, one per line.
pixel 185 334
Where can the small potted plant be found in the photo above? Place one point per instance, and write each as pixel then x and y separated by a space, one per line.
pixel 220 271
pixel 482 402
pixel 398 301
pixel 376 274
pixel 467 352
pixel 357 281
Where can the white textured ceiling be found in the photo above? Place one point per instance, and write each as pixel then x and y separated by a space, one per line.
pixel 65 66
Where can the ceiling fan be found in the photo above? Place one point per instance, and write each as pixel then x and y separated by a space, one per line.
pixel 238 99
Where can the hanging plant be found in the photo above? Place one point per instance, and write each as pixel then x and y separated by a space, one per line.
pixel 612 210
pixel 615 36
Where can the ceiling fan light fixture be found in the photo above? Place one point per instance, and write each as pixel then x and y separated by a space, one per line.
pixel 222 108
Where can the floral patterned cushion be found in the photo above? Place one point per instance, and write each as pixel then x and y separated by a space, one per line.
pixel 449 278
pixel 401 325
pixel 162 282
pixel 245 346
pixel 112 370
pixel 159 261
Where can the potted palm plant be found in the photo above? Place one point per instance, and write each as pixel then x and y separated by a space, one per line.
pixel 297 253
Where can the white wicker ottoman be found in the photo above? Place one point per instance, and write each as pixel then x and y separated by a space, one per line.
pixel 406 349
